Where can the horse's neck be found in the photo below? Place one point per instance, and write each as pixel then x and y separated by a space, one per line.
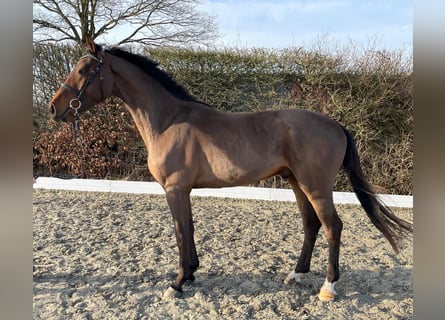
pixel 151 106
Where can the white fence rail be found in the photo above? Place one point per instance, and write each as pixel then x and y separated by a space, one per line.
pixel 233 192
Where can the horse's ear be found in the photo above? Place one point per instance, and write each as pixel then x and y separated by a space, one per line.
pixel 90 44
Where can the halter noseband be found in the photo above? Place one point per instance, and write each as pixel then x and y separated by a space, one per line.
pixel 76 103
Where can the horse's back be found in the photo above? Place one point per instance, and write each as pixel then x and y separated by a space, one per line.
pixel 301 128
pixel 244 147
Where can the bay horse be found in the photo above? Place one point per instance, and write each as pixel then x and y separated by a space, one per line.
pixel 192 145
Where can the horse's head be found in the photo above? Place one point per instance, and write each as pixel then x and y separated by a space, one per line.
pixel 89 83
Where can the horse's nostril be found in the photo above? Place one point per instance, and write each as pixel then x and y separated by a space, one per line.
pixel 52 109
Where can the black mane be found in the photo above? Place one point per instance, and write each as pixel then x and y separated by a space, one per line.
pixel 152 68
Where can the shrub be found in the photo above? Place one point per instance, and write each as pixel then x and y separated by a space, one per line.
pixel 369 93
pixel 108 147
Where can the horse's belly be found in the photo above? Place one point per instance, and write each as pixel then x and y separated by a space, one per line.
pixel 229 171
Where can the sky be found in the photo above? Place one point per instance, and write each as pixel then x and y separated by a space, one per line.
pixel 379 24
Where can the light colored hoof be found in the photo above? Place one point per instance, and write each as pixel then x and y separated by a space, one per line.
pixel 171 293
pixel 327 292
pixel 293 276
pixel 326 296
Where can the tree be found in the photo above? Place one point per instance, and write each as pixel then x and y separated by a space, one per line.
pixel 147 22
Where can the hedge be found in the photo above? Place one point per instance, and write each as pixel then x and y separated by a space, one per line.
pixel 369 92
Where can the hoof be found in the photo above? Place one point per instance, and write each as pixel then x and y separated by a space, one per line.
pixel 327 292
pixel 326 296
pixel 172 293
pixel 191 278
pixel 293 276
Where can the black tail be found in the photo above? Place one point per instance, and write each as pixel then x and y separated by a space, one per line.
pixel 392 227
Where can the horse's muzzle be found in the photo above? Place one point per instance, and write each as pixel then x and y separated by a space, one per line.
pixel 53 113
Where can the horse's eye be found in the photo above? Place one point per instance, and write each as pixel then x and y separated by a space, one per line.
pixel 82 71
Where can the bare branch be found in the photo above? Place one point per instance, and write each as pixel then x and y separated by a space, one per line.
pixel 155 22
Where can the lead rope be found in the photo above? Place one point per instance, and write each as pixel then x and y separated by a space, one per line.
pixel 76 128
pixel 76 122
pixel 77 137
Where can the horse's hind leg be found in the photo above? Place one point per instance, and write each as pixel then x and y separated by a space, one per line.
pixel 317 208
pixel 311 225
pixel 332 227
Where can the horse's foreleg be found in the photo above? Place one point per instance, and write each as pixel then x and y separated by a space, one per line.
pixel 179 203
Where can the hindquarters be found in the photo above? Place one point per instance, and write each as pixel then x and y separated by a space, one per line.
pixel 323 147
pixel 316 149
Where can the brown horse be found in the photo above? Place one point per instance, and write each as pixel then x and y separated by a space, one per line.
pixel 191 145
